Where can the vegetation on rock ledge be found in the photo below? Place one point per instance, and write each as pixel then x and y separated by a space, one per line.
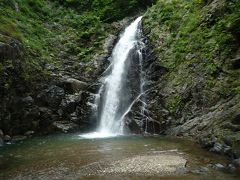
pixel 197 41
pixel 52 32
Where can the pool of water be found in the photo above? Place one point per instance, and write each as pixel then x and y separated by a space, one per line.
pixel 68 156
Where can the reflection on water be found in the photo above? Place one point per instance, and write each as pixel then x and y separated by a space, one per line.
pixel 64 155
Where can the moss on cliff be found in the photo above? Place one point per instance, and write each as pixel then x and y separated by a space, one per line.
pixel 196 40
pixel 49 31
pixel 53 32
pixel 44 42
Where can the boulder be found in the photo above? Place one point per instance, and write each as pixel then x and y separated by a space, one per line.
pixel 64 126
pixel 27 101
pixel 86 112
pixel 132 126
pixel 236 162
pixel 73 117
pixel 18 138
pixel 7 138
pixel 51 97
pixel 207 142
pixel 1 133
pixel 9 51
pixel 29 133
pixel 231 168
pixel 1 142
pixel 217 148
pixel 46 118
pixel 72 85
pixel 109 43
pixel 69 103
pixel 94 88
pixel 202 170
pixel 219 166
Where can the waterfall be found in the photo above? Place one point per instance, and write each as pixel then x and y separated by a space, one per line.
pixel 115 96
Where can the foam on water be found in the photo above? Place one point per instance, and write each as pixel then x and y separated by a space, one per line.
pixel 98 135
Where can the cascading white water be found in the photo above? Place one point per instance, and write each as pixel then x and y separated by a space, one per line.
pixel 114 102
pixel 109 122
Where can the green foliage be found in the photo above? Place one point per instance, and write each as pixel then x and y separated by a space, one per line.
pixel 51 31
pixel 173 103
pixel 108 10
pixel 196 40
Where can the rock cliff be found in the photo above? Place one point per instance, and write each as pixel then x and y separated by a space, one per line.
pixel 196 45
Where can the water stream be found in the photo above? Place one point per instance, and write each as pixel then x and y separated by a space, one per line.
pixel 115 99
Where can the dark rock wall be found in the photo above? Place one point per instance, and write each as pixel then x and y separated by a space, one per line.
pixel 62 102
pixel 144 115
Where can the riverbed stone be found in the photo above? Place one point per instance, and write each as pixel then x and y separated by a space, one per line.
pixel 219 166
pixel 236 162
pixel 207 142
pixel 29 133
pixel 202 170
pixel 231 168
pixel 7 138
pixel 1 142
pixel 161 164
pixel 217 148
pixel 1 133
pixel 18 138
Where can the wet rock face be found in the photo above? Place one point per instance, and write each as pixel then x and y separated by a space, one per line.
pixel 51 97
pixel 1 138
pixel 86 112
pixel 67 96
pixel 146 109
pixel 188 99
pixel 10 51
pixel 72 85
pixel 64 126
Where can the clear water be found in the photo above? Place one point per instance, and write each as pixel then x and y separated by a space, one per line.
pixel 68 156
